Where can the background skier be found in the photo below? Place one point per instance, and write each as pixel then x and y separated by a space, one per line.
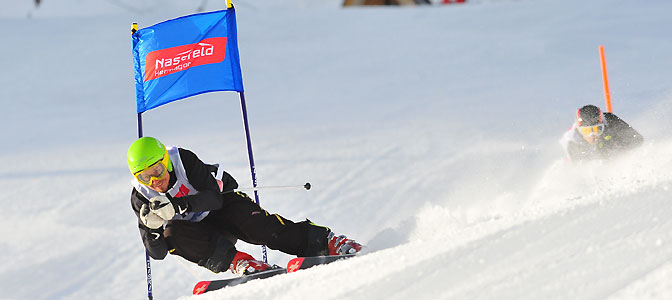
pixel 597 135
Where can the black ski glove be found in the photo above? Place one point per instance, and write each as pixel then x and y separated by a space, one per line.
pixel 221 258
pixel 154 234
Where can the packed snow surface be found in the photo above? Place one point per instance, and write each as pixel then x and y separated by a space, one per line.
pixel 430 134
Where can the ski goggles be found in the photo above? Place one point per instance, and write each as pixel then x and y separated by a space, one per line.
pixel 156 171
pixel 591 130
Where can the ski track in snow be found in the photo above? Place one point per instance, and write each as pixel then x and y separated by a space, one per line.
pixel 510 255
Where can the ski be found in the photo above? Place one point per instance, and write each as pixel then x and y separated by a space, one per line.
pixel 207 286
pixel 301 263
pixel 293 265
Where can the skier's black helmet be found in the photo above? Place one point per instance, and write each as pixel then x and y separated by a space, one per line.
pixel 589 115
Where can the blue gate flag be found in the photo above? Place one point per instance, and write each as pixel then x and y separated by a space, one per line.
pixel 187 56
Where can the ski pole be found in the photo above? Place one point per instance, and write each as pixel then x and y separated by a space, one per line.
pixel 306 186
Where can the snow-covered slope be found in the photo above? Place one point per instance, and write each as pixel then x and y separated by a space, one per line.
pixel 428 133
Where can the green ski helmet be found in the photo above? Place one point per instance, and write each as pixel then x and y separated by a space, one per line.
pixel 145 152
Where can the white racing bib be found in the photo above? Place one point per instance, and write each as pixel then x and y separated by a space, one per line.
pixel 179 189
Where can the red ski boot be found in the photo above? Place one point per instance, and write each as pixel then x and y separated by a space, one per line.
pixel 341 245
pixel 245 264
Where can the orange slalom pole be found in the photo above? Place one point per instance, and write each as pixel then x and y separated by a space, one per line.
pixel 607 96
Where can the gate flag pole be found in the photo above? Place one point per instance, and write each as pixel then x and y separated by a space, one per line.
pixel 605 80
pixel 148 265
pixel 253 170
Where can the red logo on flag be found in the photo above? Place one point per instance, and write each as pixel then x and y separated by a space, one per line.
pixel 164 62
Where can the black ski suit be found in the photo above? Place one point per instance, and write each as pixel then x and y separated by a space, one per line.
pixel 232 216
pixel 618 137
